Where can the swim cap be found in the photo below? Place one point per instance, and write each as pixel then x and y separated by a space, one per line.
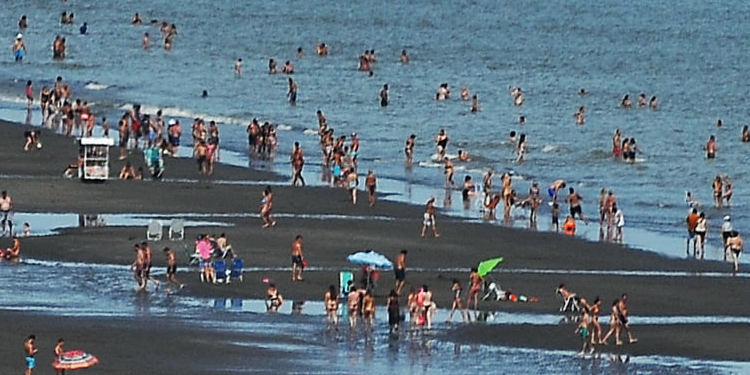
pixel 19 36
pixel 172 122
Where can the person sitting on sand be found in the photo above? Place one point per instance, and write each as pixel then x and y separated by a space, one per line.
pixel 127 172
pixel 274 300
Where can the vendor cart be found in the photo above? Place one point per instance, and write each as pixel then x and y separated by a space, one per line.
pixel 94 158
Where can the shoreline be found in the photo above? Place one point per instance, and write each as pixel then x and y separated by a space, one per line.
pixel 328 241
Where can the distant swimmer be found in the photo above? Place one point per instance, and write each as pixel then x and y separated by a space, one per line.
pixel 579 114
pixel 691 201
pixel 84 29
pixel 582 92
pixel 642 101
pixel 364 63
pixel 292 92
pixel 409 148
pixel 322 49
pixel 616 150
pixel 146 41
pixel 465 96
pixel 23 23
pixel 300 53
pixel 745 134
pixel 19 48
pixel 204 94
pixel 711 147
pixel 626 103
pixel 469 190
pixel 441 141
pixel 238 68
pixel 271 66
pixel 719 123
pixel 136 20
pixel 288 68
pixel 463 156
pixel 404 57
pixel 633 148
pixel 512 137
pixel 518 96
pixel 475 104
pixel 522 120
pixel 384 96
pixel 443 92
pixel 653 103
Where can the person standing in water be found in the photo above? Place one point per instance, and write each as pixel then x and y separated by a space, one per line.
pixel 292 92
pixel 370 184
pixel 384 96
pixel 409 148
pixel 711 147
pixel 19 48
pixel 404 57
pixel 718 186
pixel 574 200
pixel 238 68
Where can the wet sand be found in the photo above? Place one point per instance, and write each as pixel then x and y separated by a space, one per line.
pixel 33 180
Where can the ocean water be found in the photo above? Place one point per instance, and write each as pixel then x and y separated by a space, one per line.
pixel 690 55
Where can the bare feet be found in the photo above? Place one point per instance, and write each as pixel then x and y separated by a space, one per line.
pixel 633 341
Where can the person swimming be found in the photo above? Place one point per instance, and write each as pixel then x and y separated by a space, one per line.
pixel 626 103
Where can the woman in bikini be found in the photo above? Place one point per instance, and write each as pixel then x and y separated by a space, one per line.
pixel 614 324
pixel 273 298
pixel 266 205
pixel 457 303
pixel 368 308
pixel 332 305
pixel 476 285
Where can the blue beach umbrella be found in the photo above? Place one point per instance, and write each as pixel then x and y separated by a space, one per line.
pixel 370 258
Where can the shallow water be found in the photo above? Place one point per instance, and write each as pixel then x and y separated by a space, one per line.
pixel 108 291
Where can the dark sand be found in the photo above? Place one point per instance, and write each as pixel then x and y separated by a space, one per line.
pixel 34 182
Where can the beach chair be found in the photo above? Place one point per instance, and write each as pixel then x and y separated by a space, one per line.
pixel 177 230
pixel 154 231
pixel 236 273
pixel 192 257
pixel 220 267
pixel 346 280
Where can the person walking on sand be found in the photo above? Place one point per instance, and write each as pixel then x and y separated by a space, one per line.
pixel 692 222
pixel 614 325
pixel 58 354
pixel 399 268
pixel 457 303
pixel 585 332
pixel 476 286
pixel 700 231
pixel 297 259
pixel 331 302
pixel 298 162
pixel 736 246
pixel 429 218
pixel 371 184
pixel 266 207
pixel 30 349
pixel 352 180
pixel 622 308
pixel 726 231
pixel 172 267
pixel 6 213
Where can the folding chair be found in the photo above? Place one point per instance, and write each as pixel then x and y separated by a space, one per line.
pixel 177 230
pixel 154 231
pixel 220 267
pixel 237 266
pixel 191 256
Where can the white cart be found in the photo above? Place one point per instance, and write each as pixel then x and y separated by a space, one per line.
pixel 94 156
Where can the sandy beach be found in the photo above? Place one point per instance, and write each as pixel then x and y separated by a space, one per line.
pixel 535 263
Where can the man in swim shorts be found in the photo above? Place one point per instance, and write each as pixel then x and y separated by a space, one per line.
pixel 574 200
pixel 30 350
pixel 554 188
pixel 297 259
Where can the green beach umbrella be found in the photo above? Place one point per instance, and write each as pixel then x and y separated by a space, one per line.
pixel 488 265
